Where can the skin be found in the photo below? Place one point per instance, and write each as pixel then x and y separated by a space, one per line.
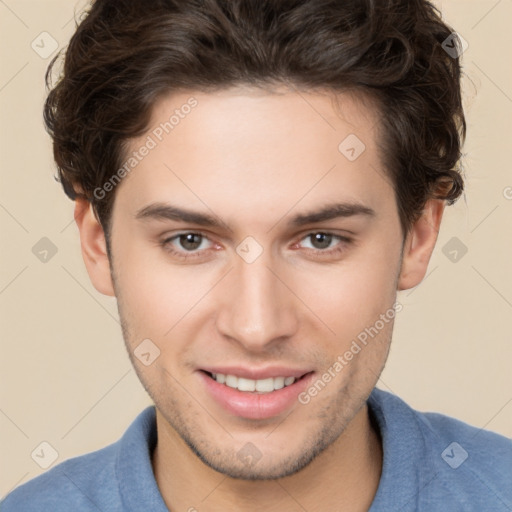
pixel 233 157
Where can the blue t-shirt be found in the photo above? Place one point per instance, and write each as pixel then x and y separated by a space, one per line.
pixel 431 463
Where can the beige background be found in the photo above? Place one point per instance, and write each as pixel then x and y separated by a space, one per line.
pixel 65 376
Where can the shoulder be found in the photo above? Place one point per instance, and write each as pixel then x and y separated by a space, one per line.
pixel 74 483
pixel 476 458
pixel 100 480
pixel 459 463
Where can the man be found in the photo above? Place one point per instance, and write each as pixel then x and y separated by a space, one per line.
pixel 254 183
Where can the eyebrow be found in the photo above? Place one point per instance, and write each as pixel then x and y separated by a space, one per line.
pixel 165 211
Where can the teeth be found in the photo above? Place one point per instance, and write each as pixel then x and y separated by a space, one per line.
pixel 264 385
pixel 231 381
pixel 279 382
pixel 246 384
pixel 261 385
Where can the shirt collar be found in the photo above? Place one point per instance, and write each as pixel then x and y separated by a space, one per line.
pixel 407 466
pixel 137 484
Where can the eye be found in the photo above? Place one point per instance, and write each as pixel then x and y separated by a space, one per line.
pixel 186 245
pixel 322 243
pixel 322 240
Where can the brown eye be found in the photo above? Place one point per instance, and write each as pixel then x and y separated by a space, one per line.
pixel 321 240
pixel 186 245
pixel 190 241
pixel 323 244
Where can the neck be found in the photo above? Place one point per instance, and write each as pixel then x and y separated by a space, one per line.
pixel 345 476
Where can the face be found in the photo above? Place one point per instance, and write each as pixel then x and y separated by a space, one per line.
pixel 249 300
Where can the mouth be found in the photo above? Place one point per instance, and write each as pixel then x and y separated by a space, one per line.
pixel 266 395
pixel 257 386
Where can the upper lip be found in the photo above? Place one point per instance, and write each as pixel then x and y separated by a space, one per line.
pixel 257 373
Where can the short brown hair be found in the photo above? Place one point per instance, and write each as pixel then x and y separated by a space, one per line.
pixel 125 54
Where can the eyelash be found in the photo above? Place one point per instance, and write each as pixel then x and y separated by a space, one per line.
pixel 196 254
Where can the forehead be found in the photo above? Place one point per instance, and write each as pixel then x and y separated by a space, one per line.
pixel 257 149
pixel 260 116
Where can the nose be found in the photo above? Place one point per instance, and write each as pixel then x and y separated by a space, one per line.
pixel 257 308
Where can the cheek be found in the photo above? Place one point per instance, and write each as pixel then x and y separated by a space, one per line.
pixel 159 298
pixel 352 295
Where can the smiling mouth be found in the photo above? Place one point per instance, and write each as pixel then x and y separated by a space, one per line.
pixel 262 386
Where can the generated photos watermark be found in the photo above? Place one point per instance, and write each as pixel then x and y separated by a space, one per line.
pixel 151 142
pixel 357 345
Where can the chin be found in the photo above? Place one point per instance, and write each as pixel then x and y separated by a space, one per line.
pixel 256 471
pixel 249 463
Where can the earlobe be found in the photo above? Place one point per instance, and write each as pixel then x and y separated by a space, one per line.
pixel 94 248
pixel 419 244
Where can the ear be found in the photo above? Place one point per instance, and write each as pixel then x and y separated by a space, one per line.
pixel 94 247
pixel 419 244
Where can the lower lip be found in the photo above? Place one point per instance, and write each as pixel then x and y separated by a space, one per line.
pixel 256 406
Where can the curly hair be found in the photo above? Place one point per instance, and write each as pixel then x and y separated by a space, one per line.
pixel 126 54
